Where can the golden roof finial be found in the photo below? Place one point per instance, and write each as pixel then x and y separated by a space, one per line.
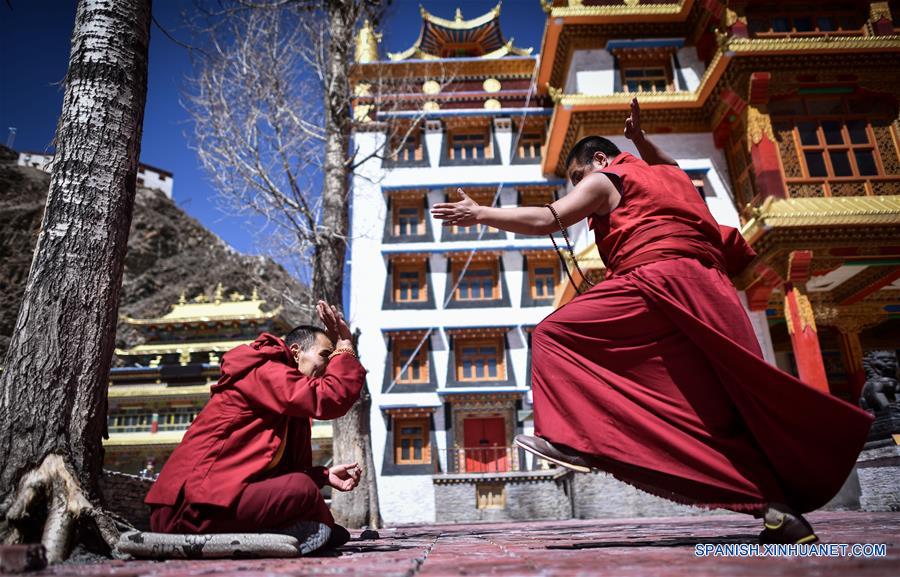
pixel 458 16
pixel 219 294
pixel 236 297
pixel 182 300
pixel 201 298
pixel 254 296
pixel 367 43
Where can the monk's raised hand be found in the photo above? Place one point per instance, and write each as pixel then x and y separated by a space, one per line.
pixel 633 122
pixel 462 213
pixel 328 318
pixel 344 477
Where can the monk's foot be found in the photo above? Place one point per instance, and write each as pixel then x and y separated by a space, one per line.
pixel 339 536
pixel 783 525
pixel 560 454
pixel 311 535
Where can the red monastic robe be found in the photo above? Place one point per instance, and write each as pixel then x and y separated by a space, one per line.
pixel 657 370
pixel 245 463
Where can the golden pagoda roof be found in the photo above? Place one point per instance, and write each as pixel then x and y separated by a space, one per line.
pixel 442 38
pixel 234 307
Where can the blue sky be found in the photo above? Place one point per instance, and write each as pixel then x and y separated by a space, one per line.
pixel 35 41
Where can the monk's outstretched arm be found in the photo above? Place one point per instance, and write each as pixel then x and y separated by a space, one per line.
pixel 594 194
pixel 650 153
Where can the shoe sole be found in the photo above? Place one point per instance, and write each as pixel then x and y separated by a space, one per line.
pixel 570 466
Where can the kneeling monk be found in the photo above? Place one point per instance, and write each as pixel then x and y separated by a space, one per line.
pixel 245 464
pixel 655 374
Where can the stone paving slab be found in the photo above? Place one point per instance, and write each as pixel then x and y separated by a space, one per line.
pixel 621 547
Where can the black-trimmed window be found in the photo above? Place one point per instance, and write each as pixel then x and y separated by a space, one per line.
pixel 407 219
pixel 409 447
pixel 407 149
pixel 484 197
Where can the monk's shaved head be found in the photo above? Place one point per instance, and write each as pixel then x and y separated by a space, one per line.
pixel 303 335
pixel 585 149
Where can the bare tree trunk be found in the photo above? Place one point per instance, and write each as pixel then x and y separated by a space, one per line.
pixel 352 436
pixel 53 405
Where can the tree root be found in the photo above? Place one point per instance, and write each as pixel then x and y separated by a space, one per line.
pixel 51 495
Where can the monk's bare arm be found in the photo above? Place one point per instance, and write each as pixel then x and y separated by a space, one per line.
pixel 594 194
pixel 650 153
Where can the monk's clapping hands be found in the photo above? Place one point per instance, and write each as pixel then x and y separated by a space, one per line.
pixel 344 477
pixel 335 326
pixel 462 213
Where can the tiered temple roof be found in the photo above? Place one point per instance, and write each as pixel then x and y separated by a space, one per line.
pixel 460 38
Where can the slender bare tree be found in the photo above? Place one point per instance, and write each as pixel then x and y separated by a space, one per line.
pixel 53 404
pixel 272 102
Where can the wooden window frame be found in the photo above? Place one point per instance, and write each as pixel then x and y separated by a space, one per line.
pixel 397 206
pixel 465 154
pixel 500 358
pixel 399 423
pixel 767 15
pixel 794 120
pixel 666 76
pixel 412 151
pixel 493 266
pixel 399 346
pixel 531 142
pixel 533 265
pixel 397 273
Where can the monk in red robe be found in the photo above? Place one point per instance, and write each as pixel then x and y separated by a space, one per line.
pixel 655 374
pixel 245 463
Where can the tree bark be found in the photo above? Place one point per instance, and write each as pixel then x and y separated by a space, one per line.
pixel 352 438
pixel 53 404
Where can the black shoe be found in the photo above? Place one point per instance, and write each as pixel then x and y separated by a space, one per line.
pixel 339 536
pixel 783 525
pixel 559 454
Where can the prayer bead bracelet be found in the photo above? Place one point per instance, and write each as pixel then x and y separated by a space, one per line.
pixel 342 350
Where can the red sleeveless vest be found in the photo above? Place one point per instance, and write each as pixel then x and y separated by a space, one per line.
pixel 661 216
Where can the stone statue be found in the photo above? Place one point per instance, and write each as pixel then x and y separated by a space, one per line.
pixel 882 389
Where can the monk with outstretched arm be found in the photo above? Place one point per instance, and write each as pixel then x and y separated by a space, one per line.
pixel 655 374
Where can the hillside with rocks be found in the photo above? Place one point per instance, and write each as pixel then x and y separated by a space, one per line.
pixel 168 252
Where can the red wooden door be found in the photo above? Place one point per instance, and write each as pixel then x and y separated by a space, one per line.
pixel 485 444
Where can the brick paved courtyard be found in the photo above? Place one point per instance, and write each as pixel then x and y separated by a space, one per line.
pixel 652 546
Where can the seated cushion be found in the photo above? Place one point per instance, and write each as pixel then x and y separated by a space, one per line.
pixel 146 545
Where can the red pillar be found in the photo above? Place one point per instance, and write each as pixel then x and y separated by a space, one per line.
pixel 804 338
pixel 766 169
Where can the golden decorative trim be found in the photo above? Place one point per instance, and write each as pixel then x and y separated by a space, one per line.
pixel 188 347
pixel 458 23
pixel 367 43
pixel 625 9
pixel 879 10
pixel 144 439
pixel 819 44
pixel 759 124
pixel 131 391
pixel 843 211
pixel 492 104
pixel 405 333
pixel 804 309
pixel 431 106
